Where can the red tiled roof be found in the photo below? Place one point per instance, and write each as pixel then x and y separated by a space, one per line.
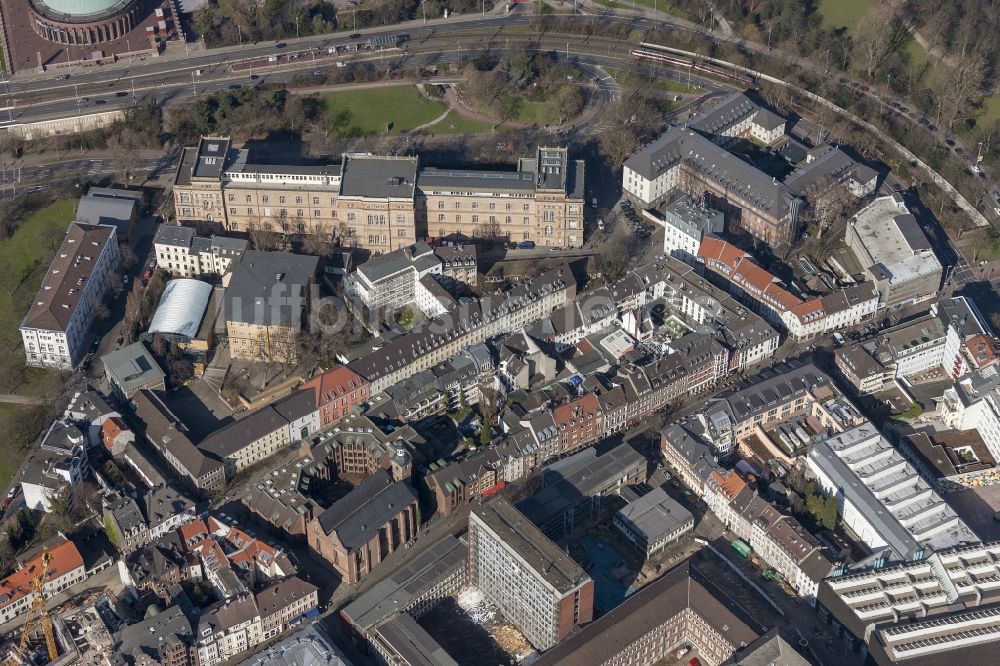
pixel 586 404
pixel 753 275
pixel 982 349
pixel 335 383
pixel 191 531
pixel 720 250
pixel 111 429
pixel 62 558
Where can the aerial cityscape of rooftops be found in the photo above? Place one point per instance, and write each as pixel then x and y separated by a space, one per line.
pixel 499 332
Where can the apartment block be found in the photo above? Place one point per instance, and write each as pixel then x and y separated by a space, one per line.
pixel 337 392
pixel 801 318
pixel 183 254
pixel 168 435
pixel 65 570
pixel 54 331
pixel 247 440
pixel 284 602
pixel 536 586
pixel 382 203
pixel 442 337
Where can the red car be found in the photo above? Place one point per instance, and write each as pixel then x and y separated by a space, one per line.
pixel 694 661
pixel 148 274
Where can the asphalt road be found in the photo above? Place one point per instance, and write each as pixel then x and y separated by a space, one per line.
pixel 32 97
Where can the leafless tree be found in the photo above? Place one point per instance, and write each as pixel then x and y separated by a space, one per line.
pixel 265 241
pixel 883 31
pixel 957 83
pixel 828 201
pixel 123 142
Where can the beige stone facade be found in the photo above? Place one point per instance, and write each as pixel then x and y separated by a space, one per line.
pixel 382 203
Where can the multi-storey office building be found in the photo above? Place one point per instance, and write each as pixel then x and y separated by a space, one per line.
pixel 382 203
pixel 749 198
pixel 55 328
pixel 875 605
pixel 533 582
pixel 894 252
pixel 391 280
pixel 881 497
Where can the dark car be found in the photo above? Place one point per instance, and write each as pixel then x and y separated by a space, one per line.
pixel 897 187
pixel 279 45
pixel 526 245
pixel 950 142
pixel 99 102
pixel 121 93
pixel 234 86
pixel 923 122
pixel 356 35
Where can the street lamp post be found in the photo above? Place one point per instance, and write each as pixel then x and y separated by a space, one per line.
pixel 194 88
pixel 128 47
pixel 297 19
pixel 239 33
pixel 769 39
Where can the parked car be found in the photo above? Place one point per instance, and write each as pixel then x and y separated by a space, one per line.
pixel 923 122
pixel 526 245
pixel 279 45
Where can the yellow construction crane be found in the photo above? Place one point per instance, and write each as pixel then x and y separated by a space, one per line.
pixel 37 611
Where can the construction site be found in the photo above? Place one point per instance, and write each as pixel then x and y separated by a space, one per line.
pixel 44 638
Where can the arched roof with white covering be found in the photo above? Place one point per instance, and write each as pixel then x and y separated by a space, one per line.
pixel 181 308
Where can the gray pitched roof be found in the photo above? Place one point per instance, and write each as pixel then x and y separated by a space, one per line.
pixel 359 515
pixel 262 284
pixel 230 438
pixel 169 234
pixel 716 163
pixel 379 177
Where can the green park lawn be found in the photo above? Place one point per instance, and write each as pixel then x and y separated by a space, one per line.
pixel 843 13
pixel 455 123
pixel 9 461
pixel 24 259
pixel 386 109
